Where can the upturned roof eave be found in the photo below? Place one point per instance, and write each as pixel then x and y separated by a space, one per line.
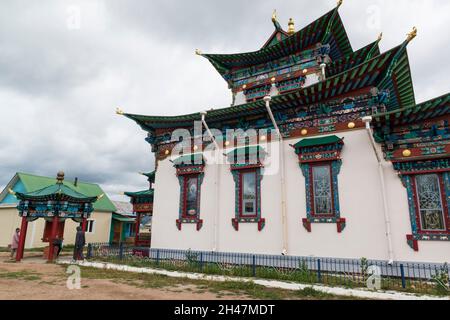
pixel 433 108
pixel 269 52
pixel 213 115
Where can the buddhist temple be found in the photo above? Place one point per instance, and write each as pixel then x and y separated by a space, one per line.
pixel 323 152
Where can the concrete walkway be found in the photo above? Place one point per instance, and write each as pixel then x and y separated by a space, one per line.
pixel 357 293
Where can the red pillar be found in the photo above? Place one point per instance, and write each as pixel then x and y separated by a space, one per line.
pixel 22 238
pixel 137 228
pixel 53 237
pixel 84 225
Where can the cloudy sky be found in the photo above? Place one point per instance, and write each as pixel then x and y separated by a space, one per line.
pixel 66 65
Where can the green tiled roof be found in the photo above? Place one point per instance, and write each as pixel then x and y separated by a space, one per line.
pixel 317 142
pixel 359 76
pixel 56 190
pixel 429 109
pixel 144 193
pixel 195 158
pixel 397 79
pixel 35 183
pixel 150 175
pixel 249 150
pixel 122 218
pixel 328 26
pixel 365 53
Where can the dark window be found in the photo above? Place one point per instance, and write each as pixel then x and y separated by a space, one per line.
pixel 191 194
pixel 322 192
pixel 248 198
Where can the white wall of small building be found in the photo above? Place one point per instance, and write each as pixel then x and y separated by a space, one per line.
pixel 360 203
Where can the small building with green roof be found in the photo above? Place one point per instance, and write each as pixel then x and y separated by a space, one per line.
pixel 98 225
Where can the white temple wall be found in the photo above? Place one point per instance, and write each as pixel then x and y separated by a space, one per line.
pixel 360 203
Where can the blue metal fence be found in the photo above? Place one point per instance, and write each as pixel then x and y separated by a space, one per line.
pixel 331 271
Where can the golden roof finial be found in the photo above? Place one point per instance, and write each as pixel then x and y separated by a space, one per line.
pixel 119 111
pixel 274 15
pixel 198 52
pixel 412 34
pixel 339 3
pixel 11 191
pixel 380 37
pixel 100 196
pixel 291 27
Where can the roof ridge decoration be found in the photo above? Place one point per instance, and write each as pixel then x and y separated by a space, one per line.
pixel 275 21
pixel 327 35
pixel 385 81
pixel 218 113
pixel 410 36
pixel 374 47
pixel 287 45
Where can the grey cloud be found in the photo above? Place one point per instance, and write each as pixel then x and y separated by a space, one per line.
pixel 59 87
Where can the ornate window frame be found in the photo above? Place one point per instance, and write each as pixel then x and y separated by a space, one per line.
pixel 188 167
pixel 408 171
pixel 240 164
pixel 321 152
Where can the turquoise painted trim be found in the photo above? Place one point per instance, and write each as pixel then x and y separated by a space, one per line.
pixel 11 199
pixel 335 170
pixel 416 236
pixel 238 219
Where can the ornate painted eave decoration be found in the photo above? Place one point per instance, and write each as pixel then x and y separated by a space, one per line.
pixel 145 194
pixel 319 149
pixel 358 77
pixel 246 157
pixel 58 192
pixel 55 200
pixel 430 109
pixel 397 78
pixel 356 58
pixel 328 26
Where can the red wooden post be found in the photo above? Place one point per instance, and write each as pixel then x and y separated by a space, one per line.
pixel 84 225
pixel 22 238
pixel 137 228
pixel 52 238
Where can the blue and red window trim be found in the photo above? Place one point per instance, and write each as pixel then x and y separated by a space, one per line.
pixel 247 160
pixel 408 171
pixel 184 173
pixel 313 155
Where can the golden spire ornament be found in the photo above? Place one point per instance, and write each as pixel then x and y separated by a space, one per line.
pixel 119 111
pixel 412 34
pixel 274 16
pixel 339 3
pixel 291 27
pixel 198 52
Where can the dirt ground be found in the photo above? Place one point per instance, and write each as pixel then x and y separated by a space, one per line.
pixel 33 279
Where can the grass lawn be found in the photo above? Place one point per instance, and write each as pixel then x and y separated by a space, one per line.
pixel 226 289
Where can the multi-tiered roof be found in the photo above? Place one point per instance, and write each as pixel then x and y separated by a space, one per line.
pixel 303 89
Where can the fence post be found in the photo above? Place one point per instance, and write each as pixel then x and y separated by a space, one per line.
pixel 319 272
pixel 121 251
pixel 254 266
pixel 157 257
pixel 402 272
pixel 201 261
pixel 89 251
